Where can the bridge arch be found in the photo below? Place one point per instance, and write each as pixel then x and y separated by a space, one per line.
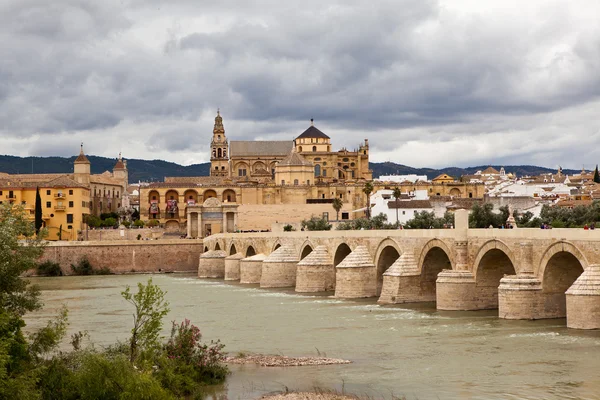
pixel 387 253
pixel 306 248
pixel 432 244
pixel 560 266
pixel 205 249
pixel 250 251
pixel 276 245
pixel 217 246
pixel 232 249
pixel 494 260
pixel 341 252
pixel 435 257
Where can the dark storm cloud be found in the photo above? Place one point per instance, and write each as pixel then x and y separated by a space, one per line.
pixel 410 75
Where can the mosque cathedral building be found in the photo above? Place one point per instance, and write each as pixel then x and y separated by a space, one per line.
pixel 255 184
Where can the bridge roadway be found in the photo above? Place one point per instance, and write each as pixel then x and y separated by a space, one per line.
pixel 524 273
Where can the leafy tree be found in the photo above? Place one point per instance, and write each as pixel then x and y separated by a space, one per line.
pixel 92 221
pixel 368 189
pixel 139 223
pixel 596 175
pixel 337 206
pixel 150 308
pixel 38 211
pixel 482 216
pixel 397 193
pixel 288 228
pixel 426 220
pixel 316 224
pixel 377 222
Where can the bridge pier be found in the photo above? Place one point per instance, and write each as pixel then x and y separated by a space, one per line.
pixel 232 267
pixel 315 273
pixel 356 276
pixel 279 268
pixel 521 297
pixel 402 282
pixel 583 300
pixel 456 291
pixel 251 268
pixel 212 264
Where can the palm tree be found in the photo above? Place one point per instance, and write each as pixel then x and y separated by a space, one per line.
pixel 368 189
pixel 397 193
pixel 337 206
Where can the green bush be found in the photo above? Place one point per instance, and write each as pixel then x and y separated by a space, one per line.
pixel 110 222
pixel 288 228
pixel 152 223
pixel 377 222
pixel 316 224
pixel 93 221
pixel 49 268
pixel 139 223
pixel 126 224
pixel 85 267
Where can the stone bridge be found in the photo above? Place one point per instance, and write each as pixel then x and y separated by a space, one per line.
pixel 524 273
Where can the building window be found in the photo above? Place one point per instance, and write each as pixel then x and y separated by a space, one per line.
pixel 48 192
pixel 326 216
pixel 117 193
pixel 324 172
pixel 83 204
pixel 470 195
pixel 222 168
pixel 308 182
pixel 0 192
pixel 242 172
pixel 69 227
pixel 71 191
pixel 345 215
pixel 70 204
pixel 283 182
pixel 48 204
pixel 317 170
pixel 296 182
pixel 69 218
pixel 403 212
pixel 217 168
pixel 314 148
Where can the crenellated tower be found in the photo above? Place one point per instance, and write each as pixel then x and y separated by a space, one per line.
pixel 219 149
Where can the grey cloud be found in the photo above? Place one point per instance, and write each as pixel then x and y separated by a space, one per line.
pixel 392 71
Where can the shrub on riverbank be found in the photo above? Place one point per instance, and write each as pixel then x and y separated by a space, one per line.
pixel 48 268
pixel 31 368
pixel 85 267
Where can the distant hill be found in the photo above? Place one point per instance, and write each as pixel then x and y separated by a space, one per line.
pixel 156 170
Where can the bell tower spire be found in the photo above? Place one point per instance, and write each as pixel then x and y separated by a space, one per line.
pixel 219 148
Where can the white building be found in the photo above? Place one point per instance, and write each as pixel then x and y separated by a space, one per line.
pixel 412 178
pixel 407 205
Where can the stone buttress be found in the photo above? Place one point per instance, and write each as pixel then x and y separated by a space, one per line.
pixel 251 268
pixel 356 275
pixel 232 267
pixel 315 273
pixel 279 268
pixel 583 300
pixel 402 281
pixel 212 264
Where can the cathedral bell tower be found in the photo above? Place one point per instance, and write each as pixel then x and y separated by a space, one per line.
pixel 219 149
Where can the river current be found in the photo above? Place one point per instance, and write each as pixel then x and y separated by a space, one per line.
pixel 403 350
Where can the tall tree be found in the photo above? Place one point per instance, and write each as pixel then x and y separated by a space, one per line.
pixel 337 206
pixel 38 211
pixel 368 189
pixel 397 193
pixel 596 175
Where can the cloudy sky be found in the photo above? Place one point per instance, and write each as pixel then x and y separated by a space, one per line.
pixel 430 83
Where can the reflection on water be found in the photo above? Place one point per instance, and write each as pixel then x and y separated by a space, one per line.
pixel 412 350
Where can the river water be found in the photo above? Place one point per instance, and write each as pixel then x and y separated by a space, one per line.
pixel 410 350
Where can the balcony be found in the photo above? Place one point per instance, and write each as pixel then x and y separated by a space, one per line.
pixel 11 197
pixel 60 196
pixel 60 208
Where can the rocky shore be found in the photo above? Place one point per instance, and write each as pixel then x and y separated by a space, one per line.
pixel 282 361
pixel 308 396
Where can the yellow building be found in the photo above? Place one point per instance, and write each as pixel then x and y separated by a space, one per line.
pixel 67 198
pixel 64 203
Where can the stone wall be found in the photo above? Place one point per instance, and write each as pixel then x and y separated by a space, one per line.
pixel 262 217
pixel 127 234
pixel 128 256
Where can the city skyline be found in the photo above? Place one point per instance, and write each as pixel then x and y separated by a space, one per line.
pixel 430 83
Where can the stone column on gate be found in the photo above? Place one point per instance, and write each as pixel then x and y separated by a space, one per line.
pixel 224 218
pixel 189 224
pixel 200 233
pixel 520 296
pixel 456 288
